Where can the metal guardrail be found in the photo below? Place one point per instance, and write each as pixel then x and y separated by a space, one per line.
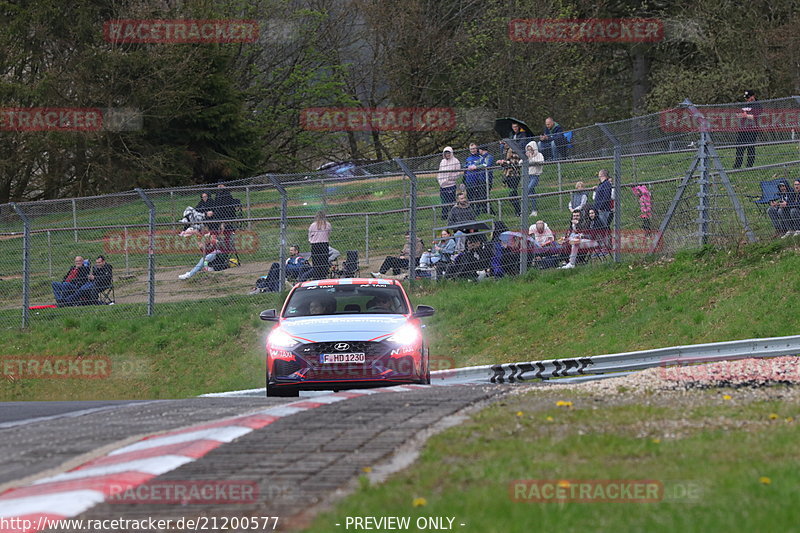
pixel 622 362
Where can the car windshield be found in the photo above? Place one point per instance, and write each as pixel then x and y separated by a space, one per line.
pixel 345 300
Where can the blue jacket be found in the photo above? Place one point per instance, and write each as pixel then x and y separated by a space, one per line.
pixel 486 161
pixel 602 198
pixel 473 177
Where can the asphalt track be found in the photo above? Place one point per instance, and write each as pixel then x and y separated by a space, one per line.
pixel 297 462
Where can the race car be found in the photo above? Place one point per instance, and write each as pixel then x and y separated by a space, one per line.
pixel 335 334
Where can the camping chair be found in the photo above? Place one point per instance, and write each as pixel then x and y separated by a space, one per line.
pixel 106 296
pixel 350 268
pixel 769 192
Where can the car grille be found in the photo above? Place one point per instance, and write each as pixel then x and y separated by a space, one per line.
pixel 373 351
pixel 370 349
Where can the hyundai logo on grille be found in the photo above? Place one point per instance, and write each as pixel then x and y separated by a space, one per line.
pixel 342 346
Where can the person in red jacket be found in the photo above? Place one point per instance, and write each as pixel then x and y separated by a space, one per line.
pixel 73 280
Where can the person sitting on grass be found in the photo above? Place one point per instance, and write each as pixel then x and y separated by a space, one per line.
pixel 100 278
pixel 210 248
pixel 396 263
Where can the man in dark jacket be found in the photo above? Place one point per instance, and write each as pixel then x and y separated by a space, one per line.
pixel 73 280
pixel 552 141
pixel 604 198
pixel 461 212
pixel 748 130
pixel 467 264
pixel 100 278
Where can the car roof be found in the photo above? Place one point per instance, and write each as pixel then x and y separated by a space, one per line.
pixel 351 281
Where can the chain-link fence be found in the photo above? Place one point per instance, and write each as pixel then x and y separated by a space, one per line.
pixel 680 178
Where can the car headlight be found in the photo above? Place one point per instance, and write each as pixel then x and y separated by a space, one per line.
pixel 406 335
pixel 281 339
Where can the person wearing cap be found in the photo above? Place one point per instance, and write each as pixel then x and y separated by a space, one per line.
pixel 449 172
pixel 748 130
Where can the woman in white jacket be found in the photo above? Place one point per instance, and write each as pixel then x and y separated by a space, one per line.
pixel 535 166
pixel 449 172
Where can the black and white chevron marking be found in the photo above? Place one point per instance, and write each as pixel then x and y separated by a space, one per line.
pixel 515 372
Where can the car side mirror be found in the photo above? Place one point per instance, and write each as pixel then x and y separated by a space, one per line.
pixel 423 310
pixel 270 315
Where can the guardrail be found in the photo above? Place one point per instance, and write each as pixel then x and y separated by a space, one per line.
pixel 622 362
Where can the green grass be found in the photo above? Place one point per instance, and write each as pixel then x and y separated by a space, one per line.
pixel 709 459
pixel 216 344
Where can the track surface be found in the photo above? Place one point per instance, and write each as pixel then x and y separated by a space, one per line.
pixel 297 461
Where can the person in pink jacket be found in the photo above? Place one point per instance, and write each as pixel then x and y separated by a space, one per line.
pixel 448 175
pixel 645 204
pixel 319 236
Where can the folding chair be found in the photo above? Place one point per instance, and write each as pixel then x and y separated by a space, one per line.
pixel 350 268
pixel 769 191
pixel 106 296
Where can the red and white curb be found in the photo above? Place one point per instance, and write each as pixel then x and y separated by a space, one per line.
pixel 39 505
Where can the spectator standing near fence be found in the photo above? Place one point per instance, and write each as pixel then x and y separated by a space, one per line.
pixel 748 130
pixel 604 198
pixel 474 178
pixel 319 236
pixel 645 204
pixel 485 163
pixel 511 177
pixel 449 173
pixel 535 167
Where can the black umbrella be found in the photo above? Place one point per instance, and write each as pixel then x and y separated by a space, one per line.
pixel 503 127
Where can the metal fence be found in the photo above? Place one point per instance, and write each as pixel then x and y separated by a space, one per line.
pixel 676 184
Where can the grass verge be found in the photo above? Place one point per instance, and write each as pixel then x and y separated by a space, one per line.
pixel 722 465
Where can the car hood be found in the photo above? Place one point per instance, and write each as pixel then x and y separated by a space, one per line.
pixel 343 327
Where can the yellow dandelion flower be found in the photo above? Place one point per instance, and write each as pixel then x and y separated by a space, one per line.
pixel 789 418
pixel 773 416
pixel 367 469
pixel 727 397
pixel 549 418
pixel 519 413
pixel 564 484
pixel 562 403
pixel 764 480
pixel 655 440
pixel 419 502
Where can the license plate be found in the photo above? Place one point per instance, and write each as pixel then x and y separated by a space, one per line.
pixel 356 357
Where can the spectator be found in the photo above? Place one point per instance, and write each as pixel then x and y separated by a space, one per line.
pixel 794 208
pixel 319 235
pixel 396 263
pixel 297 266
pixel 511 177
pixel 552 141
pixel 442 251
pixel 209 247
pixel 475 258
pixel 576 238
pixel 485 164
pixel 579 200
pixel 604 198
pixel 541 233
pixel 225 207
pixel 596 229
pixel 475 179
pixel 460 213
pixel 748 130
pixel 535 160
pixel 779 210
pixel 645 204
pixel 449 173
pixel 518 133
pixel 73 280
pixel 205 204
pixel 100 278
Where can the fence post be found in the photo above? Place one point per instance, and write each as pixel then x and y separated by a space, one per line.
pixel 366 236
pixel 26 263
pixel 151 254
pixel 617 195
pixel 412 222
pixel 127 261
pixel 284 208
pixel 75 219
pixel 524 222
pixel 49 255
pixel 247 200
